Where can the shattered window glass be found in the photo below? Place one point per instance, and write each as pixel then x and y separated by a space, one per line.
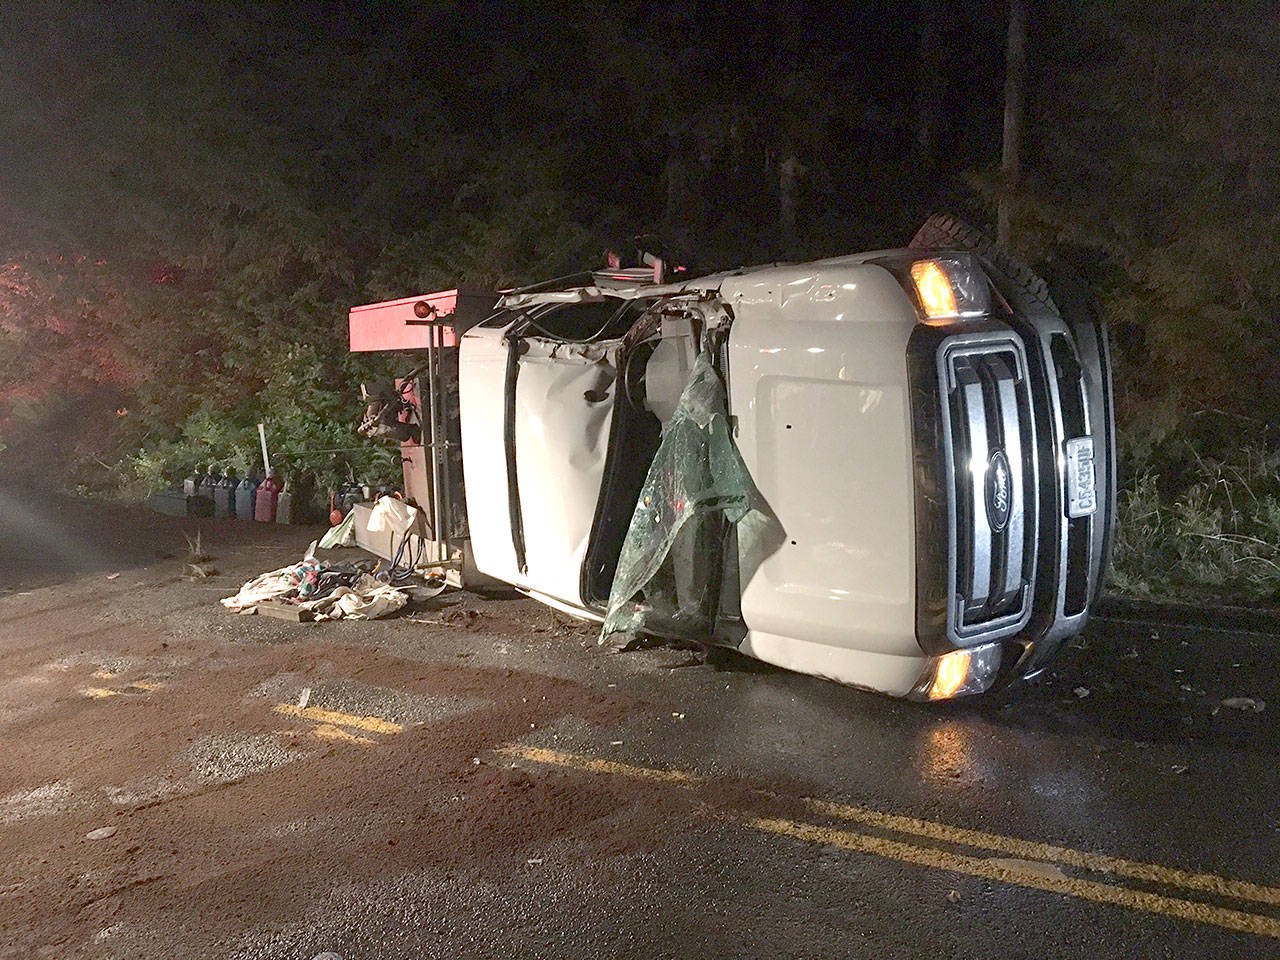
pixel 670 568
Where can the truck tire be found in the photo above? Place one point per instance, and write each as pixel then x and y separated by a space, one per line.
pixel 945 232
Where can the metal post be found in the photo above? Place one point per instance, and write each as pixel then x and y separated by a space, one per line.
pixel 446 402
pixel 433 387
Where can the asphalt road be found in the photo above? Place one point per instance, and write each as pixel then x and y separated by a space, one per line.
pixel 479 778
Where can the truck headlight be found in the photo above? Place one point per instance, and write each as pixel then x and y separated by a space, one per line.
pixel 958 674
pixel 951 287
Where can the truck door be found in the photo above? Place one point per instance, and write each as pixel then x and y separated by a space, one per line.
pixel 536 412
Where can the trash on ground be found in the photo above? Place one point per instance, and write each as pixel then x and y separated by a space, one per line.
pixel 342 534
pixel 1245 703
pixel 322 590
pixel 366 599
pixel 102 833
pixel 1081 692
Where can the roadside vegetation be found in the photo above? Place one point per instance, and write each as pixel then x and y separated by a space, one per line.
pixel 177 262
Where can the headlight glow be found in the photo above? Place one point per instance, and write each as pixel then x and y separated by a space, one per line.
pixel 951 287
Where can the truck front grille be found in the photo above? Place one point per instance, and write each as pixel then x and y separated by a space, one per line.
pixel 992 467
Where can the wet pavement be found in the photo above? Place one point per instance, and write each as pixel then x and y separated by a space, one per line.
pixel 479 778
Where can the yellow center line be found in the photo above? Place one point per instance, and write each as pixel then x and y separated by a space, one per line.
pixel 334 717
pixel 1033 850
pixel 994 870
pixel 578 762
pixel 990 868
pixel 328 731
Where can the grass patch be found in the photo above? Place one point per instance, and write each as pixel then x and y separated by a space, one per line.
pixel 1208 529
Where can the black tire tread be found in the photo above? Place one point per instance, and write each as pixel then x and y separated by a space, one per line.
pixel 944 231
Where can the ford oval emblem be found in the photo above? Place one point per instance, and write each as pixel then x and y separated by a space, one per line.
pixel 999 501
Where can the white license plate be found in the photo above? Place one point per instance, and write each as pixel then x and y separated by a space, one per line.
pixel 1082 489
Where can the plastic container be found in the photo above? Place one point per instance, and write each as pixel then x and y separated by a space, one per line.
pixel 246 489
pixel 264 506
pixel 224 497
pixel 172 503
pixel 349 496
pixel 284 505
pixel 209 482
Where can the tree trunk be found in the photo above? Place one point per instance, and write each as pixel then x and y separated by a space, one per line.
pixel 789 173
pixel 1015 68
pixel 931 82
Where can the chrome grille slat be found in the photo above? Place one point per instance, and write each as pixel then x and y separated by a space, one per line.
pixel 979 450
pixel 990 414
pixel 1011 437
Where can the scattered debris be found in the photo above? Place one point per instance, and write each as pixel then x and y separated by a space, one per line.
pixel 1081 692
pixel 102 833
pixel 283 610
pixel 319 590
pixel 534 861
pixel 304 698
pixel 1245 703
pixel 1179 768
pixel 465 617
pixel 112 576
pixel 953 896
pixel 198 571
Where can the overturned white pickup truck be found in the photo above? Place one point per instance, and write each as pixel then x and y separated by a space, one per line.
pixel 893 469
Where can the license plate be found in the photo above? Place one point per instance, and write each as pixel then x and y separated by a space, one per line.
pixel 1082 490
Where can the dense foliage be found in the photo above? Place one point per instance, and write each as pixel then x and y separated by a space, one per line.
pixel 195 195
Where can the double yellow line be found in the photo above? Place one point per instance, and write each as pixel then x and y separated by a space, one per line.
pixel 1038 865
pixel 335 725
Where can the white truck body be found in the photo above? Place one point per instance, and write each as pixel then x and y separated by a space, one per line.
pixel 934 506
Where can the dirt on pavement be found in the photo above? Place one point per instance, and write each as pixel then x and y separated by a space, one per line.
pixel 241 765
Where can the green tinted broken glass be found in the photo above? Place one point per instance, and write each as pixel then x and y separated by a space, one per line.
pixel 670 569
